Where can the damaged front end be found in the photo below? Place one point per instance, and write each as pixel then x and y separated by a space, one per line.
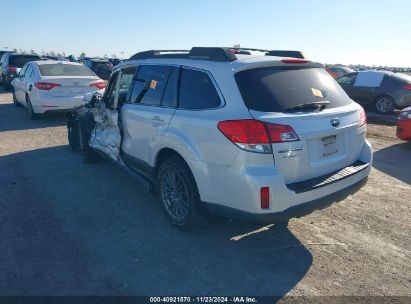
pixel 94 128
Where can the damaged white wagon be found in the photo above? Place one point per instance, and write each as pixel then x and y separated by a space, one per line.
pixel 228 131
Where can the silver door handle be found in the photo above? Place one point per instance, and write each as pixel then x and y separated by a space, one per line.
pixel 157 122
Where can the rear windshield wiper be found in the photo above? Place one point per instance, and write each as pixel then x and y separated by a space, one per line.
pixel 315 106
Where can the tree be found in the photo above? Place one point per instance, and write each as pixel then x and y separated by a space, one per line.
pixel 82 55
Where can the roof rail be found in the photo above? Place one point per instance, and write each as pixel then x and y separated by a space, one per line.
pixel 198 53
pixel 159 53
pixel 278 53
pixel 283 53
pixel 222 54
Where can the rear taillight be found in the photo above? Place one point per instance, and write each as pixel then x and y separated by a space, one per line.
pixel 363 118
pixel 11 69
pixel 294 61
pixel 99 84
pixel 407 87
pixel 256 136
pixel 45 86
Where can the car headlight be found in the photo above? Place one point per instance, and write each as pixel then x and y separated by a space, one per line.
pixel 405 115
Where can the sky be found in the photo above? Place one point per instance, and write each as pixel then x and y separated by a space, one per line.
pixel 347 32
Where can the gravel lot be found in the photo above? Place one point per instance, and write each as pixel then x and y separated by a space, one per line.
pixel 70 228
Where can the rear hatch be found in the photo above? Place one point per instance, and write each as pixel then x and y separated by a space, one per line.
pixel 308 100
pixel 72 79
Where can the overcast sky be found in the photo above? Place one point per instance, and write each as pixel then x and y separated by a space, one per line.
pixel 362 31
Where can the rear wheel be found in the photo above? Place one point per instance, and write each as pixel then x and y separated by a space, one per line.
pixel 384 104
pixel 30 110
pixel 15 102
pixel 178 193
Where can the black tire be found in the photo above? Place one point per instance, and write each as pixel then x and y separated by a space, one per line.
pixel 6 85
pixel 180 202
pixel 30 110
pixel 15 102
pixel 84 133
pixel 73 135
pixel 384 104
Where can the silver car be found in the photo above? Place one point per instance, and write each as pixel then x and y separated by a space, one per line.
pixel 257 137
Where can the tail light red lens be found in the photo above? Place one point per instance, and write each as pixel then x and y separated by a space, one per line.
pixel 45 86
pixel 99 85
pixel 244 131
pixel 256 136
pixel 281 133
pixel 294 61
pixel 265 197
pixel 363 118
pixel 11 69
pixel 407 87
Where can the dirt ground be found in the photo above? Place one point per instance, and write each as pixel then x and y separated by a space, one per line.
pixel 70 228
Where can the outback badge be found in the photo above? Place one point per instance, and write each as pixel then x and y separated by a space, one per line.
pixel 335 122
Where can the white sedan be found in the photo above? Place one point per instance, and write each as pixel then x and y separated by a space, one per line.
pixel 45 86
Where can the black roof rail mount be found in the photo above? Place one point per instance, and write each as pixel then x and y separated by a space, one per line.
pixel 198 53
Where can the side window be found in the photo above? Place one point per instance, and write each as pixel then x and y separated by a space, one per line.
pixel 125 82
pixel 347 79
pixel 170 94
pixel 23 71
pixel 197 91
pixel 110 92
pixel 29 71
pixel 149 84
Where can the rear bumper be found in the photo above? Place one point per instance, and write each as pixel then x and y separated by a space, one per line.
pixel 56 104
pixel 295 211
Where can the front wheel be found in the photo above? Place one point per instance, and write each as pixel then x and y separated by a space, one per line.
pixel 178 193
pixel 384 104
pixel 30 111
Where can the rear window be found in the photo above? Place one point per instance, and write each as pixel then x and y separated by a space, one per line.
pixel 277 89
pixel 59 69
pixel 102 65
pixel 19 60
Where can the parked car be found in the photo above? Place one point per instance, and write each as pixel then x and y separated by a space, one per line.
pixel 114 61
pixel 4 52
pixel 49 57
pixel 384 91
pixel 404 124
pixel 46 86
pixel 102 67
pixel 10 65
pixel 338 71
pixel 263 138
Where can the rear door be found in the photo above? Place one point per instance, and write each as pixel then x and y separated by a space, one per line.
pixel 19 84
pixel 147 113
pixel 328 139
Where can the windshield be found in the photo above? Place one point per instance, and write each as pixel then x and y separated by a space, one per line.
pixel 60 69
pixel 277 89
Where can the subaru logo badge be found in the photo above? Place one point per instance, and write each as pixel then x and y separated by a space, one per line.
pixel 335 122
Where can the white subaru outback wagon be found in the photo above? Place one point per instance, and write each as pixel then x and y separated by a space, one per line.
pixel 259 137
